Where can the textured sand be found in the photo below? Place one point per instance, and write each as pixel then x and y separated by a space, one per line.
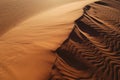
pixel 92 50
pixel 26 51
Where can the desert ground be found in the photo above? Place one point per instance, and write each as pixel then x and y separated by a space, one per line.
pixel 27 49
pixel 92 49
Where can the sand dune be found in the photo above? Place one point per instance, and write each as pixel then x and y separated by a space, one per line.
pixel 92 50
pixel 26 51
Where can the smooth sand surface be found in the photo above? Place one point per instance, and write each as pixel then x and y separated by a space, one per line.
pixel 13 12
pixel 26 51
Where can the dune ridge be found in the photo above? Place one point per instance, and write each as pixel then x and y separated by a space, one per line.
pixel 26 51
pixel 92 50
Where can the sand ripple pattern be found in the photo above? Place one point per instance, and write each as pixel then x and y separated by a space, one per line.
pixel 92 50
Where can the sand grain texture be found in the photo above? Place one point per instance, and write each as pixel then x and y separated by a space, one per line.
pixel 26 51
pixel 92 50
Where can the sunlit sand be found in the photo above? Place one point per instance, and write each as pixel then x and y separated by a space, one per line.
pixel 26 51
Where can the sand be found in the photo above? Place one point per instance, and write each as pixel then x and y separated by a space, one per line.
pixel 13 12
pixel 26 51
pixel 92 50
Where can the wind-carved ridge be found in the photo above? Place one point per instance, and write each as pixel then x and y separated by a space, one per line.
pixel 92 50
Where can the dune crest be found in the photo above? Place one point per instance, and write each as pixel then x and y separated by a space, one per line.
pixel 26 51
pixel 92 50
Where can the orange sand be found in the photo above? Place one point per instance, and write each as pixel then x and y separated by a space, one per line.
pixel 26 50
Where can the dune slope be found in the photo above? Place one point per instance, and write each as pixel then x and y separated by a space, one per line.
pixel 26 51
pixel 92 50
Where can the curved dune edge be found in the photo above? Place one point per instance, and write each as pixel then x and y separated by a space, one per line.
pixel 26 51
pixel 92 50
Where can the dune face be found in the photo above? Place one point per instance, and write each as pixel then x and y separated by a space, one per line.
pixel 27 50
pixel 92 50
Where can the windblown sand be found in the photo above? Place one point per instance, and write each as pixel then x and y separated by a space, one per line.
pixel 26 51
